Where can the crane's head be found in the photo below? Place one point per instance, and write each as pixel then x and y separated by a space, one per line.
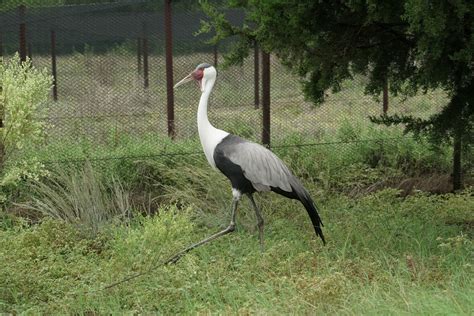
pixel 204 74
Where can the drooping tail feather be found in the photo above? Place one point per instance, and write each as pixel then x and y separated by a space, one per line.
pixel 314 216
pixel 310 207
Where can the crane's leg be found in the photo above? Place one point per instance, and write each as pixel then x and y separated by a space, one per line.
pixel 260 222
pixel 236 195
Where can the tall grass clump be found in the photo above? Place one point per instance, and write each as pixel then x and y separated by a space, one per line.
pixel 79 196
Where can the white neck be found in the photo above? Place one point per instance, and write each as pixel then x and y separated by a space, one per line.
pixel 209 135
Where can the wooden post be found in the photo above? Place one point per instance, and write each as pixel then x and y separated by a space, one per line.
pixel 457 167
pixel 1 45
pixel 145 57
pixel 256 75
pixel 385 97
pixel 139 55
pixel 30 50
pixel 169 69
pixel 266 98
pixel 53 65
pixel 22 49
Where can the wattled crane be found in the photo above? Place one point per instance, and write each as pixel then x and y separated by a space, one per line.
pixel 250 167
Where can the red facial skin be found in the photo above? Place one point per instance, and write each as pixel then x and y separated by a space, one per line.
pixel 197 75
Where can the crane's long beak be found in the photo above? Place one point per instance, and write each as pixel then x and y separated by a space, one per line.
pixel 184 80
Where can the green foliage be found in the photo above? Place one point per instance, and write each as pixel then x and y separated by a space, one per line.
pixel 358 155
pixel 415 45
pixel 159 170
pixel 242 128
pixel 17 175
pixel 23 92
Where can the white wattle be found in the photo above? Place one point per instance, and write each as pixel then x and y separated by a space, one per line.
pixel 209 135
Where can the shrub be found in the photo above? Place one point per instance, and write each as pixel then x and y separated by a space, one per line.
pixel 23 91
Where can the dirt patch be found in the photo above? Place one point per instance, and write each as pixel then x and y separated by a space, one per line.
pixel 430 183
pixel 437 184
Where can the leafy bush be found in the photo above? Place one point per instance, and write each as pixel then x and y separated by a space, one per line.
pixel 23 91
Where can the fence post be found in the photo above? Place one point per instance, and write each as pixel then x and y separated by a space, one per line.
pixel 139 55
pixel 266 98
pixel 22 13
pixel 385 96
pixel 145 57
pixel 457 166
pixel 1 45
pixel 169 68
pixel 256 75
pixel 30 49
pixel 53 65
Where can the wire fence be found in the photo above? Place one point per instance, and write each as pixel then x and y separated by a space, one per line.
pixel 113 72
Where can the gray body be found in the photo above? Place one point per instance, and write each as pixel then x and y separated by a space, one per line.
pixel 251 167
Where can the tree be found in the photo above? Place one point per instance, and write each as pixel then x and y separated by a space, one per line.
pixel 417 45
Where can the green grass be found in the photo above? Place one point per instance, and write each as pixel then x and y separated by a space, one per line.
pixel 327 154
pixel 385 255
pixel 87 228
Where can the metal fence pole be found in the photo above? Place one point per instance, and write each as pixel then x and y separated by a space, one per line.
pixel 256 75
pixel 145 57
pixel 53 65
pixel 457 165
pixel 1 45
pixel 266 98
pixel 169 68
pixel 30 50
pixel 22 49
pixel 139 55
pixel 385 97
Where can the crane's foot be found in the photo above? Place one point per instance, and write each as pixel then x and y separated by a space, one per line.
pixel 180 254
pixel 229 229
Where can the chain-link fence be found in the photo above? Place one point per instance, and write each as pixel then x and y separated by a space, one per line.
pixel 111 98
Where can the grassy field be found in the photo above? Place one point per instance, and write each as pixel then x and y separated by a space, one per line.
pixel 385 254
pixel 389 251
